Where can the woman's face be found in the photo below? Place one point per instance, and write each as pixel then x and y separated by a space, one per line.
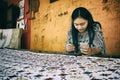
pixel 80 24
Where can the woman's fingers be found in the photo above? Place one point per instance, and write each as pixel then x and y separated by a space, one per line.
pixel 84 48
pixel 70 47
pixel 87 51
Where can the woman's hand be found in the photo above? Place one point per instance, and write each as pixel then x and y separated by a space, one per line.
pixel 70 47
pixel 85 49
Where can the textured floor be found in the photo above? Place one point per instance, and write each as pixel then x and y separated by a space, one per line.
pixel 26 65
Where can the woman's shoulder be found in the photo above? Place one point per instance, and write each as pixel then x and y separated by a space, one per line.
pixel 70 29
pixel 97 26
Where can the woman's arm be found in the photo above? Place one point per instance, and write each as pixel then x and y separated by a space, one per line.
pixel 69 43
pixel 98 45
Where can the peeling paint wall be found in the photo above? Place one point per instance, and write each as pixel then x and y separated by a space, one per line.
pixel 49 28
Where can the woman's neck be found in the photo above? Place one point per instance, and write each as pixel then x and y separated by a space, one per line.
pixel 82 33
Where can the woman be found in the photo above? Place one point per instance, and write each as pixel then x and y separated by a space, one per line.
pixel 85 35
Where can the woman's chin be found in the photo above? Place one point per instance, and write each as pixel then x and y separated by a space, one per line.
pixel 81 31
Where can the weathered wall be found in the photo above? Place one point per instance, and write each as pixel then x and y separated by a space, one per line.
pixel 49 28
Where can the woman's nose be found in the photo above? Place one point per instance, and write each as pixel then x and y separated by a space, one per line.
pixel 79 27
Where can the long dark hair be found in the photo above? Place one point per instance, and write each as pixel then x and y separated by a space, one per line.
pixel 83 13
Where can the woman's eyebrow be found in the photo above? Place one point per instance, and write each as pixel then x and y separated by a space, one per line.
pixel 80 23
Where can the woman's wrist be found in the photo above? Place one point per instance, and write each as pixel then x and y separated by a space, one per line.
pixel 95 51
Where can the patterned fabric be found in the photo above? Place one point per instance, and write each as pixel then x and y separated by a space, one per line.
pixel 26 65
pixel 98 41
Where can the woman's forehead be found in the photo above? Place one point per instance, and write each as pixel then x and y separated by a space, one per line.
pixel 80 20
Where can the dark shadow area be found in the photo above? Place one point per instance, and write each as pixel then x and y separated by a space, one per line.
pixel 8 15
pixel 3 14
